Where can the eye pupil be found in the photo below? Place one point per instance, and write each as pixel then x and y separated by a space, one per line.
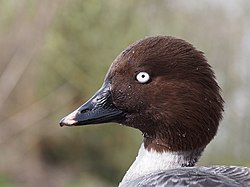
pixel 143 76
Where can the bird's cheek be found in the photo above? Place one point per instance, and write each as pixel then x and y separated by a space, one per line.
pixel 119 98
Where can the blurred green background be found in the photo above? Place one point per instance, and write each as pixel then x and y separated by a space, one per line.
pixel 54 55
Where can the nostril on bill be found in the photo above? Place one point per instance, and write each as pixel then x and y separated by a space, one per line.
pixel 84 110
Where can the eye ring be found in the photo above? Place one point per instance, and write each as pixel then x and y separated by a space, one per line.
pixel 142 77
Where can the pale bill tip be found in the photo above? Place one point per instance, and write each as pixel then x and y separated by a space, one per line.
pixel 70 122
pixel 67 122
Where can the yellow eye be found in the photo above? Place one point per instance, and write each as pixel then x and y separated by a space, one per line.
pixel 142 77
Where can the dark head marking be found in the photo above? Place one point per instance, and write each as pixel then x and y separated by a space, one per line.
pixel 180 107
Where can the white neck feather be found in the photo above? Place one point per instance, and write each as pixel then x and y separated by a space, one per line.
pixel 151 161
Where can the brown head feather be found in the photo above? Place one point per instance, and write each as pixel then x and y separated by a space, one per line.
pixel 179 109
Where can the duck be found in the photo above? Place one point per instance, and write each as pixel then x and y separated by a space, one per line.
pixel 164 87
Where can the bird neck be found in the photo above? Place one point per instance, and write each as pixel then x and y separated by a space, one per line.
pixel 150 161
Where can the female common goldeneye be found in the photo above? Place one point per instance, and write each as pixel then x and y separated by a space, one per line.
pixel 165 88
